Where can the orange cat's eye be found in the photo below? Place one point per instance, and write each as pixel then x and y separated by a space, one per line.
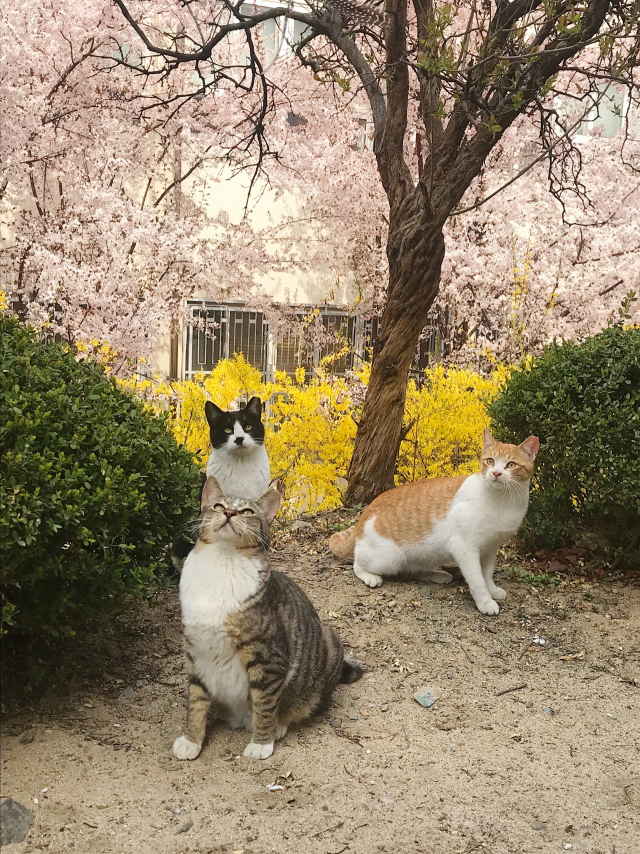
pixel 490 461
pixel 511 465
pixel 219 508
pixel 247 512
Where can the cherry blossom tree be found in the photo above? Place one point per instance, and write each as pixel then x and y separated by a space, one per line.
pixel 107 224
pixel 468 71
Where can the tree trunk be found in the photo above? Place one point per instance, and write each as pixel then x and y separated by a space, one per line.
pixel 415 251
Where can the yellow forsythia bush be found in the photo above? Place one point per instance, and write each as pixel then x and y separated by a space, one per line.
pixel 447 414
pixel 310 427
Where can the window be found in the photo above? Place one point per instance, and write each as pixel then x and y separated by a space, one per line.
pixel 220 331
pixel 341 342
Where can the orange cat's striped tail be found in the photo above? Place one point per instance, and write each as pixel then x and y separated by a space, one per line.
pixel 343 543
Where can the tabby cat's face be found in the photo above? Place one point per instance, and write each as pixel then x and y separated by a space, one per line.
pixel 507 466
pixel 237 521
pixel 235 432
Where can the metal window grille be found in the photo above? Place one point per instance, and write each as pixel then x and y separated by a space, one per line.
pixel 220 331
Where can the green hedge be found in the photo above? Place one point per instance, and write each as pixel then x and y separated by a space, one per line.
pixel 583 402
pixel 94 487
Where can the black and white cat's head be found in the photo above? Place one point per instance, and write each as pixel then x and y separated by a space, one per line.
pixel 235 432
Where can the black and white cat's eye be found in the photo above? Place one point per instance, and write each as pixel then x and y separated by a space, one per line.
pixel 228 430
pixel 247 512
pixel 248 428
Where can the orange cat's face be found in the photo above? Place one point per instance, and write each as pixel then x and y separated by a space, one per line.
pixel 506 465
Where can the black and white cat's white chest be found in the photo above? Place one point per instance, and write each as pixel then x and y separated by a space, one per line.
pixel 245 473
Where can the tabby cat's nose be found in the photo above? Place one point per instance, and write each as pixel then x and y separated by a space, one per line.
pixel 229 512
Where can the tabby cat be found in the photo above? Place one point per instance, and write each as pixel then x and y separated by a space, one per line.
pixel 418 527
pixel 255 645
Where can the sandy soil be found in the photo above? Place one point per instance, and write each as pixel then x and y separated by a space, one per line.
pixel 551 766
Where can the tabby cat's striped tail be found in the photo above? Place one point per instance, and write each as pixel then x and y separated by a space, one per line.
pixel 343 543
pixel 352 670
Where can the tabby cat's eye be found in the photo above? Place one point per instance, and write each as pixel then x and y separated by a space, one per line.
pixel 228 430
pixel 491 461
pixel 219 508
pixel 511 465
pixel 247 512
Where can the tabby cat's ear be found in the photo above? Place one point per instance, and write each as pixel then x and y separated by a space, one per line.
pixel 269 504
pixel 211 493
pixel 254 407
pixel 487 439
pixel 530 446
pixel 213 413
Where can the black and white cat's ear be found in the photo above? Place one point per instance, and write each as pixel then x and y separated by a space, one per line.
pixel 214 413
pixel 269 504
pixel 211 493
pixel 254 407
pixel 487 439
pixel 530 446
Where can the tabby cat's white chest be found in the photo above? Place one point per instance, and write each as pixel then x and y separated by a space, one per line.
pixel 241 472
pixel 214 583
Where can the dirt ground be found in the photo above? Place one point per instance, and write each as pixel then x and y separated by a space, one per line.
pixel 550 765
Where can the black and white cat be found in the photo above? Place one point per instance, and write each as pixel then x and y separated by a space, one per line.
pixel 238 459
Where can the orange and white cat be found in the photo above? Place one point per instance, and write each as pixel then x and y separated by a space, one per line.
pixel 416 528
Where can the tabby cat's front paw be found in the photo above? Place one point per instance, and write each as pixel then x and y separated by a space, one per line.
pixel 258 751
pixel 183 748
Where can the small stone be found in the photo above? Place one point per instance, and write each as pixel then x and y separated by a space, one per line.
pixel 185 827
pixel 335 723
pixel 15 821
pixel 128 693
pixel 353 715
pixel 529 704
pixel 539 825
pixel 301 525
pixel 426 697
pixel 27 737
pixel 384 707
pixel 425 591
pixel 386 801
pixel 453 747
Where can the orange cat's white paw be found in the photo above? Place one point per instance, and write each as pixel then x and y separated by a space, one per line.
pixel 369 578
pixel 489 607
pixel 281 731
pixel 183 748
pixel 258 751
pixel 498 593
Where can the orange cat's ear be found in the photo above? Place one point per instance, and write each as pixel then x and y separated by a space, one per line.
pixel 270 504
pixel 487 439
pixel 530 446
pixel 212 492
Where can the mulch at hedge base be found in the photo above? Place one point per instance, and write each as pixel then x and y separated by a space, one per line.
pixel 575 561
